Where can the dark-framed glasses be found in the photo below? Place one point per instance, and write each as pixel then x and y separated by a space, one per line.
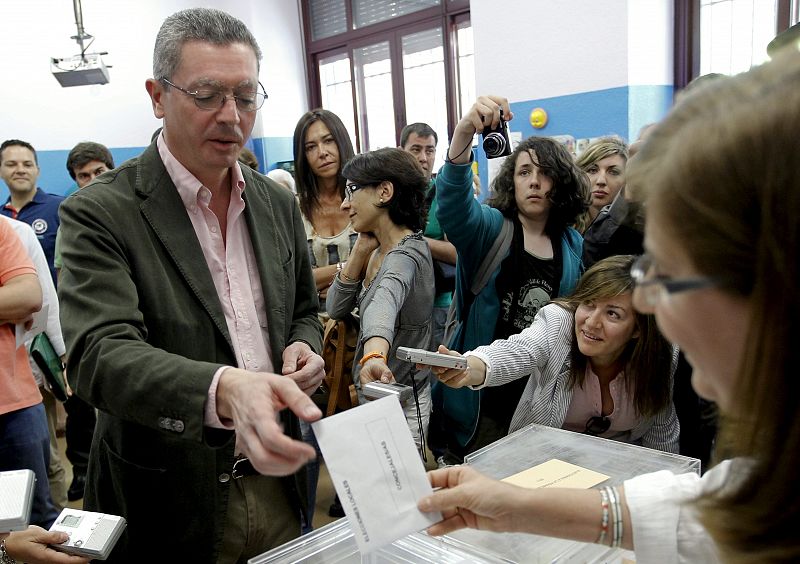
pixel 351 188
pixel 658 287
pixel 597 425
pixel 247 100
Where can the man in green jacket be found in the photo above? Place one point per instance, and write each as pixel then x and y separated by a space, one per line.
pixel 190 314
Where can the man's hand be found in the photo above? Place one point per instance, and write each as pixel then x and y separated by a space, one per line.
pixel 30 546
pixel 304 366
pixel 252 400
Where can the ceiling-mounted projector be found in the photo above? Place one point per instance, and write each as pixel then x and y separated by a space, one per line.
pixel 80 70
pixel 84 68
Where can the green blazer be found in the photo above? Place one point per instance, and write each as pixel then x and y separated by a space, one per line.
pixel 145 334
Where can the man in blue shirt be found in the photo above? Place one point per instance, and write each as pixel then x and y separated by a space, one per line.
pixel 19 168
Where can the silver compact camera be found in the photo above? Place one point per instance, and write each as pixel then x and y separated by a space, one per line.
pixel 378 390
pixel 495 141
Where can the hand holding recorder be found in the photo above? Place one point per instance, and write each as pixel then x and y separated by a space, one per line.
pixel 451 367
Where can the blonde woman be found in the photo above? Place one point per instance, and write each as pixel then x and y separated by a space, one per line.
pixel 604 162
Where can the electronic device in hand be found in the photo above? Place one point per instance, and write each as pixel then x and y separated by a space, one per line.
pixel 16 499
pixel 421 356
pixel 92 535
pixel 378 390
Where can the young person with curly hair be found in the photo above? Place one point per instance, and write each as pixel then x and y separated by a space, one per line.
pixel 540 192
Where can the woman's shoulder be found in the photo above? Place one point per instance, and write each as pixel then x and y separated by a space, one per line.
pixel 556 319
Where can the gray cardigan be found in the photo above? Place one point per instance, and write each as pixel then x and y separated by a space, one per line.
pixel 541 353
pixel 397 305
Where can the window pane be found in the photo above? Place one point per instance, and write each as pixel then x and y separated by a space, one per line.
pixel 328 17
pixel 373 70
pixel 336 85
pixel 368 12
pixel 465 67
pixel 734 34
pixel 425 91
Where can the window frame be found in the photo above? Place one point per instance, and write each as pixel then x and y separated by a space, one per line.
pixel 446 16
pixel 687 37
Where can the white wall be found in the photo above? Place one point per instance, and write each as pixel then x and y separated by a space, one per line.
pixel 36 108
pixel 530 49
pixel 650 42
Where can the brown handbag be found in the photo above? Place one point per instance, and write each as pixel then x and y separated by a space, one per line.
pixel 339 351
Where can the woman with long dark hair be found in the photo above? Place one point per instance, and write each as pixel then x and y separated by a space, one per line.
pixel 593 364
pixel 321 147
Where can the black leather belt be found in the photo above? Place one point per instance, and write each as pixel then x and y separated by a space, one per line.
pixel 242 467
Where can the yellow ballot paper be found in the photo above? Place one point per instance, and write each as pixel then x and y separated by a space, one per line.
pixel 557 474
pixel 376 471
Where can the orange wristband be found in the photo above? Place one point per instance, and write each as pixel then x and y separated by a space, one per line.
pixel 373 354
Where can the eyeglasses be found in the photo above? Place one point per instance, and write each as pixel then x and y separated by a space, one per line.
pixel 658 287
pixel 351 189
pixel 212 99
pixel 597 425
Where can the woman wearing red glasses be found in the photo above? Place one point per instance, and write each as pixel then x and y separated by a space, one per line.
pixel 594 364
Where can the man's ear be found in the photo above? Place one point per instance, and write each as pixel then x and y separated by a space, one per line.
pixel 156 90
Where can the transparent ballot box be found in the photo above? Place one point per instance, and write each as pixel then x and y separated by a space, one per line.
pixel 519 451
pixel 536 444
pixel 335 543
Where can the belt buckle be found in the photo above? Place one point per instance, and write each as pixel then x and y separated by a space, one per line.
pixel 236 471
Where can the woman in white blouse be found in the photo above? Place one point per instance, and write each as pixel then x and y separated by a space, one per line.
pixel 721 182
pixel 594 364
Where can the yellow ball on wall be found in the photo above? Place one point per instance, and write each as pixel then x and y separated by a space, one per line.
pixel 538 118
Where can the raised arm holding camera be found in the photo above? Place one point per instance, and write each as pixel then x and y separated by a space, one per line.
pixel 538 193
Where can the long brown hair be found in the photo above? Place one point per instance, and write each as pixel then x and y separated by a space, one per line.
pixel 721 176
pixel 647 358
pixel 305 179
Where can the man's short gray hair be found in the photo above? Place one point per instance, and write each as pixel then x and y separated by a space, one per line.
pixel 196 24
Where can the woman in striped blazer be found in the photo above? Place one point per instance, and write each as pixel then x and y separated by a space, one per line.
pixel 594 364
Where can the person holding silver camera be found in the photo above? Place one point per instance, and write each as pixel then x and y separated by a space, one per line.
pixel 389 275
pixel 534 256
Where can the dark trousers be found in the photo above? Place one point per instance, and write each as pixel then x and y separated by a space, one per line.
pixel 25 444
pixel 81 419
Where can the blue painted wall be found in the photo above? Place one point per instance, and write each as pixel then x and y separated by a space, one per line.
pixel 619 111
pixel 55 179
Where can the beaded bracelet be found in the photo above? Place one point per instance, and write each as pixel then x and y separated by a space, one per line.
pixel 5 558
pixel 616 517
pixel 373 354
pixel 604 520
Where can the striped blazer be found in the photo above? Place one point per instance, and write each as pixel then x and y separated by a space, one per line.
pixel 542 352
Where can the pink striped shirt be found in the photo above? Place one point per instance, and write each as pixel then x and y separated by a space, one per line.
pixel 232 263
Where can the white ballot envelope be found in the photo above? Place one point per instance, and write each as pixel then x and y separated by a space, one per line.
pixel 377 472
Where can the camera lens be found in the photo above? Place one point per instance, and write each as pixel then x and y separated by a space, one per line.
pixel 494 144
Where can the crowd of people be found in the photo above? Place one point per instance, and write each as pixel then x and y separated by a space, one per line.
pixel 585 293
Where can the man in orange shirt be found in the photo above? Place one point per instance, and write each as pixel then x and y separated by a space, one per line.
pixel 24 442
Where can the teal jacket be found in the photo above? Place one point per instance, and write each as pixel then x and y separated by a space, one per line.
pixel 473 227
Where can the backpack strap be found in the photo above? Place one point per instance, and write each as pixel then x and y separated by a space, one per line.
pixel 497 252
